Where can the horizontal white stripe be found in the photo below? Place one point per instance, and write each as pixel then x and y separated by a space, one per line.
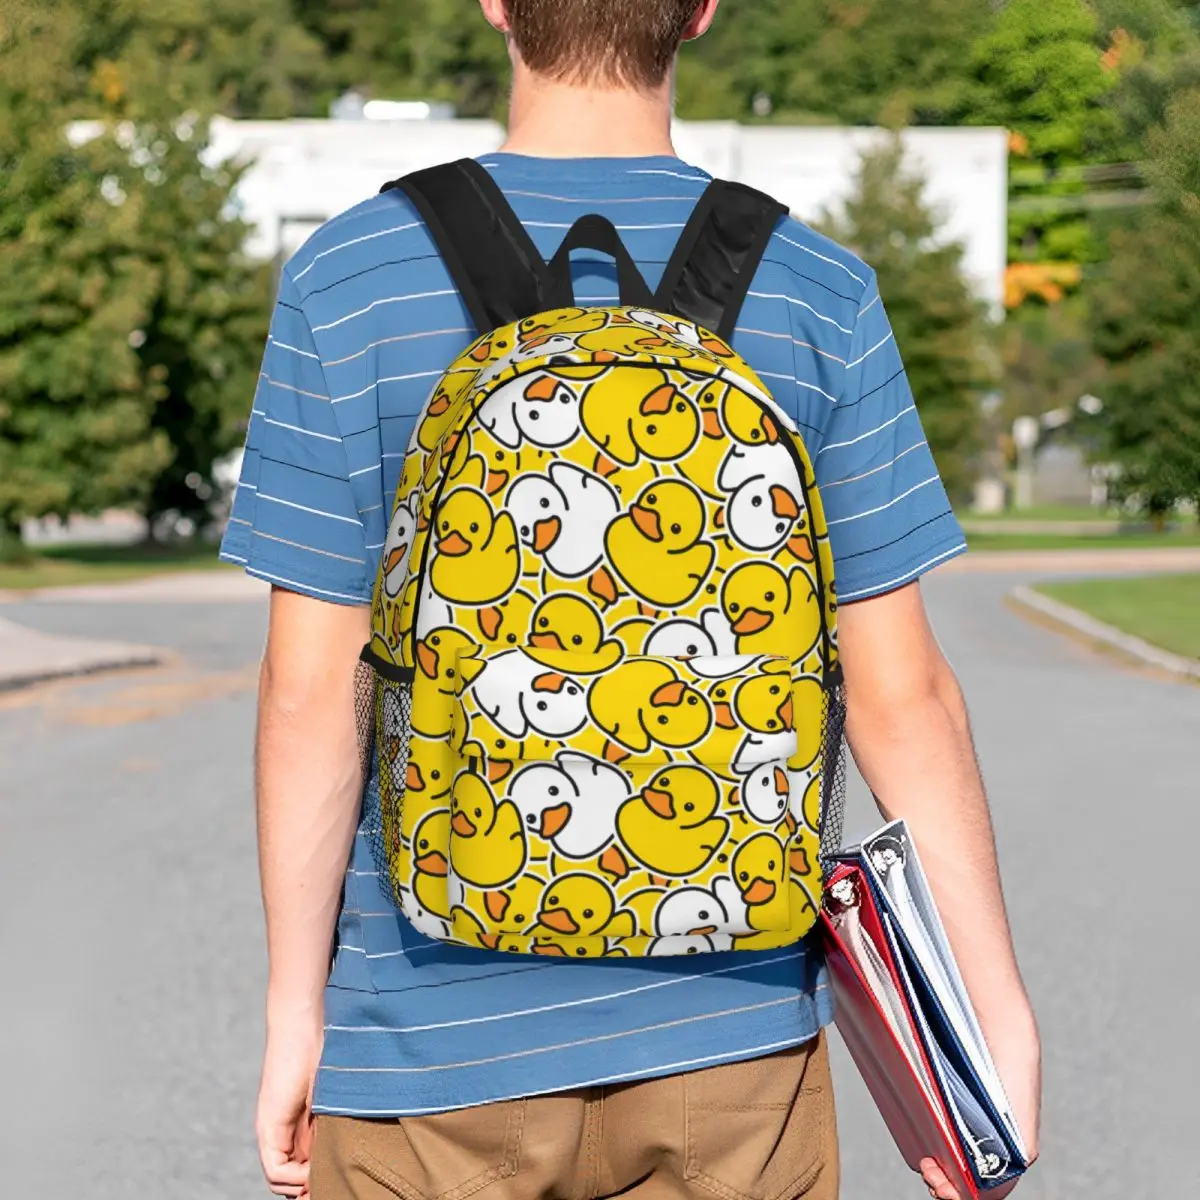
pixel 386 379
pixel 296 585
pixel 386 300
pixel 366 471
pixel 787 337
pixel 862 312
pixel 869 433
pixel 354 242
pixel 250 487
pixel 375 545
pixel 672 174
pixel 400 337
pixel 620 228
pixel 545 1008
pixel 882 342
pixel 823 257
pixel 670 1068
pixel 870 512
pixel 889 584
pixel 603 199
pixel 873 471
pixel 373 508
pixel 812 387
pixel 294 349
pixel 800 304
pixel 316 512
pixel 555 1048
pixel 270 537
pixel 240 521
pixel 287 387
pixel 233 558
pixel 325 437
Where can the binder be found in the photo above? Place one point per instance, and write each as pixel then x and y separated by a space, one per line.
pixel 905 1016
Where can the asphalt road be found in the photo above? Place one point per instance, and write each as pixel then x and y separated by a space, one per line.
pixel 131 963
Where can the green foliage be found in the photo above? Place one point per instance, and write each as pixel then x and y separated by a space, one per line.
pixel 941 328
pixel 1146 324
pixel 127 315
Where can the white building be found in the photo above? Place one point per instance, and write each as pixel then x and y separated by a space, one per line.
pixel 306 171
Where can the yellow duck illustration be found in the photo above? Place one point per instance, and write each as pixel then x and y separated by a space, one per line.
pixel 477 559
pixel 579 905
pixel 657 547
pixel 565 626
pixel 759 871
pixel 770 611
pixel 764 702
pixel 671 826
pixel 429 771
pixel 627 419
pixel 430 868
pixel 505 625
pixel 488 844
pixel 626 340
pixel 444 657
pixel 808 701
pixel 643 702
pixel 747 421
pixel 502 464
pixel 534 332
pixel 514 909
pixel 702 465
pixel 722 743
pixel 633 632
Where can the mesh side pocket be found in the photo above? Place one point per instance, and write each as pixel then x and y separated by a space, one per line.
pixel 384 710
pixel 833 772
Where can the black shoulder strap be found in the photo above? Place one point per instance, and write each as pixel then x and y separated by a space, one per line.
pixel 713 264
pixel 491 258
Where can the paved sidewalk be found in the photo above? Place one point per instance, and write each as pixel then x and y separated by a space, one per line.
pixel 27 656
pixel 176 587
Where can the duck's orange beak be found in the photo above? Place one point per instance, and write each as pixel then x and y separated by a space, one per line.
pixel 785 712
pixel 658 402
pixel 438 405
pixel 547 641
pixel 783 503
pixel 490 621
pixel 647 522
pixel 760 891
pixel 495 481
pixel 395 558
pixel 427 660
pixel 753 620
pixel 712 424
pixel 433 863
pixel 544 388
pixel 545 534
pixel 660 802
pixel 800 547
pixel 462 825
pixel 703 931
pixel 497 770
pixel 549 949
pixel 559 920
pixel 783 785
pixel 769 430
pixel 413 781
pixel 553 819
pixel 669 695
pixel 799 861
pixel 723 715
pixel 454 544
pixel 496 904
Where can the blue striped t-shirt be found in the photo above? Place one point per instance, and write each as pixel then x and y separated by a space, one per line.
pixel 366 321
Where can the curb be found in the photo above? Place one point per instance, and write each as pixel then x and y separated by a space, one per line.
pixel 1071 620
pixel 45 657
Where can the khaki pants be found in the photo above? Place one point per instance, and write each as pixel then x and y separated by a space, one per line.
pixel 758 1130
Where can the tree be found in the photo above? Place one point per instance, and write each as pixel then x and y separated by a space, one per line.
pixel 129 320
pixel 1146 324
pixel 941 328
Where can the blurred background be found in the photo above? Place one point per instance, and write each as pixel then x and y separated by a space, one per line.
pixel 1024 176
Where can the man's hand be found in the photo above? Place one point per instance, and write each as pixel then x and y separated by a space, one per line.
pixel 908 729
pixel 309 794
pixel 283 1122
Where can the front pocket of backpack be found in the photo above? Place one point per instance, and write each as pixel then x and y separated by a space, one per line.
pixel 600 800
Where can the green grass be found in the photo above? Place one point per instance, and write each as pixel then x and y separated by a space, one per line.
pixel 1161 609
pixel 62 566
pixel 1048 512
pixel 1081 541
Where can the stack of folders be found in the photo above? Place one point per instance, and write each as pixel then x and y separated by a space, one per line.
pixel 906 1018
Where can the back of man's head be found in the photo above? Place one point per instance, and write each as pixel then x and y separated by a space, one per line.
pixel 615 43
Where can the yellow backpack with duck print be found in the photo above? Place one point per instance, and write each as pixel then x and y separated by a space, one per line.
pixel 605 698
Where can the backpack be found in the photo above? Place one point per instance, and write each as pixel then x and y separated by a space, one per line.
pixel 602 683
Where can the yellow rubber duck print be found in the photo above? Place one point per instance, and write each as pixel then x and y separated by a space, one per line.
pixel 747 421
pixel 764 703
pixel 579 905
pixel 809 707
pixel 444 658
pixel 566 626
pixel 759 872
pixel 505 625
pixel 770 611
pixel 657 547
pixel 643 702
pixel 477 558
pixel 487 846
pixel 671 826
pixel 430 867
pixel 625 420
pixel 702 465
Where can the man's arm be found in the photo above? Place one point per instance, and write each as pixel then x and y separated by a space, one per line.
pixel 309 790
pixel 908 730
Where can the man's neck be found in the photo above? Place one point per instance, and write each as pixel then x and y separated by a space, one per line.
pixel 548 119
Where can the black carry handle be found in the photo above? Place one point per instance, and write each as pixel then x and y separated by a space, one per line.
pixel 594 232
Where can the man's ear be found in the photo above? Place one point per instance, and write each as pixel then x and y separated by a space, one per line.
pixel 698 26
pixel 496 12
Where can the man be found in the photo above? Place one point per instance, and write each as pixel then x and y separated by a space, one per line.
pixel 442 1071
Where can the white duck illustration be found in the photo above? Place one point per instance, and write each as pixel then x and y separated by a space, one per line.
pixel 571 802
pixel 563 516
